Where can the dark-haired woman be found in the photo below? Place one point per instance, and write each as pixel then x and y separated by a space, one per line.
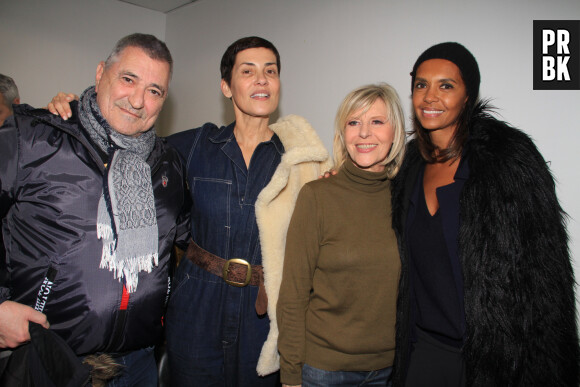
pixel 486 295
pixel 244 179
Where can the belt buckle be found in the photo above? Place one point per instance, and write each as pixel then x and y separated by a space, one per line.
pixel 240 262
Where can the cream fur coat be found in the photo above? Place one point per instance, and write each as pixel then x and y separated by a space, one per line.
pixel 304 159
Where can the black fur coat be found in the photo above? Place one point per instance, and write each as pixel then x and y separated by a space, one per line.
pixel 518 278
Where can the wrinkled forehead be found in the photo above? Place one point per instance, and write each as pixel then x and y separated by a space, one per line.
pixel 137 62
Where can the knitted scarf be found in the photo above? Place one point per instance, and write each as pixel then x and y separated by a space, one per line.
pixel 126 219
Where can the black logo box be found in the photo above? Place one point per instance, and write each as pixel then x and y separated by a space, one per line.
pixel 573 63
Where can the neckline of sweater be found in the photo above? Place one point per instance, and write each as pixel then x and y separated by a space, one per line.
pixel 365 180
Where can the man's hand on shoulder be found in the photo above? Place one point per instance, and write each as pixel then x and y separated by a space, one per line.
pixel 14 318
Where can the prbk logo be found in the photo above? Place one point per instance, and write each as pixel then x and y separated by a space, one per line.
pixel 556 54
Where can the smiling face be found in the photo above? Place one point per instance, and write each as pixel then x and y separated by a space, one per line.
pixel 255 84
pixel 131 91
pixel 439 95
pixel 368 136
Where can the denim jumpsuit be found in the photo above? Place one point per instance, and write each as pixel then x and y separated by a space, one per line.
pixel 214 336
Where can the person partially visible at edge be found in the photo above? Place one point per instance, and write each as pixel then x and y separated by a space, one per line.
pixel 104 199
pixel 8 96
pixel 487 289
pixel 336 310
pixel 244 179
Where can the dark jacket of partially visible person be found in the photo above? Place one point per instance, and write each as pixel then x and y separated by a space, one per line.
pixel 51 179
pixel 513 247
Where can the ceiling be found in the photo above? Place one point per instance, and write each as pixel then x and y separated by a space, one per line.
pixel 162 6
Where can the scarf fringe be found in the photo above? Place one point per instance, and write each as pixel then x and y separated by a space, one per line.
pixel 129 268
pixel 104 231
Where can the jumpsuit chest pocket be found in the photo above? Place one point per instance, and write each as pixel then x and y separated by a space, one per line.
pixel 211 212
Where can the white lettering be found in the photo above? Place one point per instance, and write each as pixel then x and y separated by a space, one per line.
pixel 43 294
pixel 548 39
pixel 563 40
pixel 548 71
pixel 562 66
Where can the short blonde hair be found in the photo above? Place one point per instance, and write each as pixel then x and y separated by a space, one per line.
pixel 363 98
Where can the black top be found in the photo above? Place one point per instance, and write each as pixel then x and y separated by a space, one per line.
pixel 436 308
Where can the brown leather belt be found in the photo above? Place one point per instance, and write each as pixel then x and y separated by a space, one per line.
pixel 235 272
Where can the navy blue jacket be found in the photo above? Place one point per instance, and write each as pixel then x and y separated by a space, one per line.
pixel 51 180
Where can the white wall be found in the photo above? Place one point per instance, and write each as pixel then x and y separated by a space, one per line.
pixel 329 47
pixel 53 45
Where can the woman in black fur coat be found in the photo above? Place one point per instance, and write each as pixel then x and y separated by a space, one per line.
pixel 486 295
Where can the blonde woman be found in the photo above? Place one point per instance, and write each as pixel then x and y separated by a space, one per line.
pixel 336 311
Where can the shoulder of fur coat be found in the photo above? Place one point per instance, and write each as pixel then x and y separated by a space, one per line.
pixel 304 159
pixel 519 281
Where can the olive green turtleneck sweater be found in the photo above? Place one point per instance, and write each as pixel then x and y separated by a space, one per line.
pixel 336 309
